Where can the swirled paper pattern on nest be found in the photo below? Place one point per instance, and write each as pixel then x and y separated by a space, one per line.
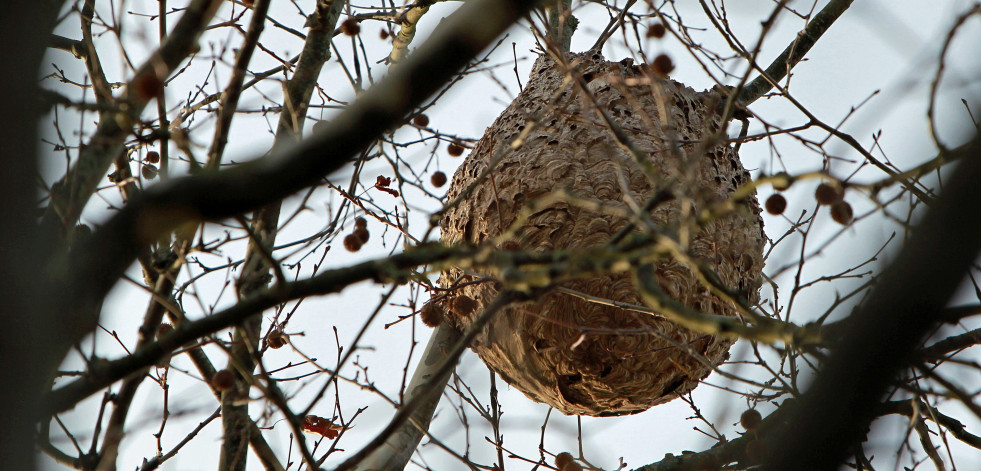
pixel 577 356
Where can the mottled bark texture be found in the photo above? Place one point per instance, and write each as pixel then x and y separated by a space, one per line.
pixel 577 356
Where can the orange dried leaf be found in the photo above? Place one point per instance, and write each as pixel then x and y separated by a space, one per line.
pixel 321 426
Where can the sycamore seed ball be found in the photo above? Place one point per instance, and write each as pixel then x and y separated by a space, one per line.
pixel 656 30
pixel 276 339
pixel 438 179
pixel 782 185
pixel 352 243
pixel 565 462
pixel 319 127
pixel 463 305
pixel 826 194
pixel 776 204
pixel 431 315
pixel 148 86
pixel 841 212
pixel 223 380
pixel 662 65
pixel 362 234
pixel 750 419
pixel 351 27
pixel 454 149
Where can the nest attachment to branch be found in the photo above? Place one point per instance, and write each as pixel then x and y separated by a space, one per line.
pixel 577 355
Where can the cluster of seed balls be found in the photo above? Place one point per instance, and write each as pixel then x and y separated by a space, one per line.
pixel 223 380
pixel 826 194
pixel 461 305
pixel 360 236
pixel 455 149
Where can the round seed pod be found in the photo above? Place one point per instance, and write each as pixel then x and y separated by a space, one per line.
pixel 750 419
pixel 656 30
pixel 148 85
pixel 362 234
pixel 776 204
pixel 352 242
pixel 827 193
pixel 438 179
pixel 351 27
pixel 149 171
pixel 662 65
pixel 565 462
pixel 320 126
pixel 842 212
pixel 454 149
pixel 223 380
pixel 276 339
pixel 431 315
pixel 576 356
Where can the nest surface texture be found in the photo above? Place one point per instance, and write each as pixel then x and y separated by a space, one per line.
pixel 577 356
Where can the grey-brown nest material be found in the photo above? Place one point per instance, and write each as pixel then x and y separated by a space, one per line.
pixel 579 356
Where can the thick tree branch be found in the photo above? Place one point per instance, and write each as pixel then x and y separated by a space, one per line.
pixel 265 226
pixel 793 54
pixel 25 340
pixel 426 395
pixel 407 21
pixel 403 440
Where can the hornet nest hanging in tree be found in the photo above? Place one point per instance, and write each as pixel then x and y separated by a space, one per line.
pixel 578 356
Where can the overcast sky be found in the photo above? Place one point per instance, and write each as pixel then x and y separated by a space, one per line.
pixel 884 52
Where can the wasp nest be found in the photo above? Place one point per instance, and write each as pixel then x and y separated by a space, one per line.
pixel 578 356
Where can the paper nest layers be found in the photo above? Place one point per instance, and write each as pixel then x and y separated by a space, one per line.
pixel 577 356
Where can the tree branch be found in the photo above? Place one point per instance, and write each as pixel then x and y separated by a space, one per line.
pixel 72 192
pixel 403 440
pixel 95 266
pixel 884 334
pixel 793 53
